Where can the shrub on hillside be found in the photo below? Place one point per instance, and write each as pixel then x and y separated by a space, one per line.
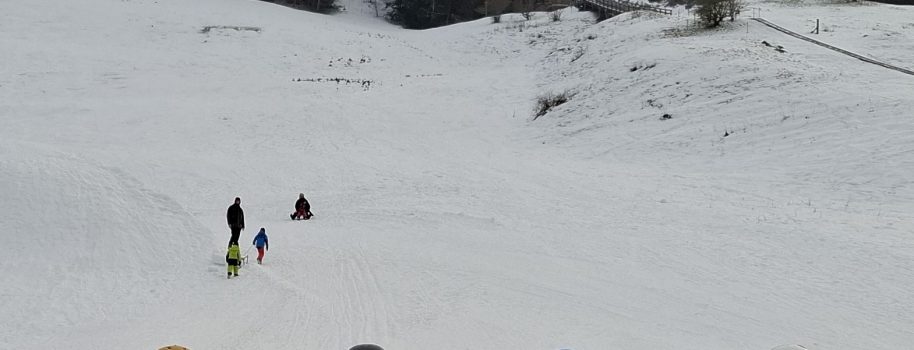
pixel 547 102
pixel 556 15
pixel 712 12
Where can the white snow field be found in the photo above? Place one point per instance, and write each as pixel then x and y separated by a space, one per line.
pixel 771 208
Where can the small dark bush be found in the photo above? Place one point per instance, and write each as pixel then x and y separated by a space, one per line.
pixel 642 67
pixel 547 102
pixel 496 19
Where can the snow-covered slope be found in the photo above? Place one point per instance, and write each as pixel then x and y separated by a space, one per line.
pixel 447 217
pixel 87 242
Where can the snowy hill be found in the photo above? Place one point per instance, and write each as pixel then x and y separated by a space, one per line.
pixel 770 207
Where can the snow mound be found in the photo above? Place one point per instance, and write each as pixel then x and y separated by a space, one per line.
pixel 71 222
pixel 789 347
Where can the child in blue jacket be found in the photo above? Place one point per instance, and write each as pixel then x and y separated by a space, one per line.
pixel 262 243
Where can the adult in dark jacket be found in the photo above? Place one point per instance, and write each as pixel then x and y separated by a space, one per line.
pixel 235 218
pixel 302 208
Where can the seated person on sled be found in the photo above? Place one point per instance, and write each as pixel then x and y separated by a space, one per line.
pixel 302 209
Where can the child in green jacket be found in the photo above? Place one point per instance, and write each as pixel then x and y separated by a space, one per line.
pixel 233 258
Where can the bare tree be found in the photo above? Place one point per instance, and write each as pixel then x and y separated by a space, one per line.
pixel 712 12
pixel 527 7
pixel 556 15
pixel 734 7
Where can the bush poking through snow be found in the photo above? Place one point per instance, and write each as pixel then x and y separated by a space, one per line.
pixel 712 12
pixel 496 19
pixel 208 29
pixel 364 83
pixel 547 102
pixel 556 16
pixel 642 67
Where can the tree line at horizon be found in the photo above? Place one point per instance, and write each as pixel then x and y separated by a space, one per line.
pixel 424 14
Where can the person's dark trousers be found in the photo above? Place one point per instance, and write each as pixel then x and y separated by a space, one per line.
pixel 236 232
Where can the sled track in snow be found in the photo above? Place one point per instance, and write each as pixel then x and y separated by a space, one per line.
pixel 814 41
